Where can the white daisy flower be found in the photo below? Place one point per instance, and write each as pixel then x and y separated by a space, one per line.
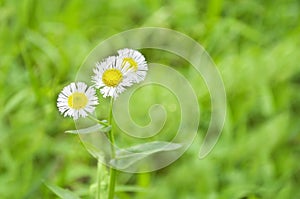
pixel 136 61
pixel 111 78
pixel 77 100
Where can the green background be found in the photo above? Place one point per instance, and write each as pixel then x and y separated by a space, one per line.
pixel 255 45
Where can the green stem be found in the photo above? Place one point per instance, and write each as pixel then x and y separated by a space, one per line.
pixel 110 133
pixel 96 120
pixel 99 178
pixel 112 181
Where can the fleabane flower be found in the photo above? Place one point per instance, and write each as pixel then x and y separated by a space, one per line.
pixel 111 77
pixel 77 100
pixel 134 60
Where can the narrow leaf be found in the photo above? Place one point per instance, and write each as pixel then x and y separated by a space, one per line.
pixel 126 157
pixel 96 128
pixel 147 148
pixel 62 193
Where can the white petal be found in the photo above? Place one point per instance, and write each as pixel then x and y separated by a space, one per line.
pixel 66 110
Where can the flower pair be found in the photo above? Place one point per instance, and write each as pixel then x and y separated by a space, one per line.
pixel 112 76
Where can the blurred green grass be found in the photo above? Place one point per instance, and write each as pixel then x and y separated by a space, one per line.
pixel 255 45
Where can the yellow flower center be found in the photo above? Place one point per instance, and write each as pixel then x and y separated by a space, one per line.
pixel 132 62
pixel 112 77
pixel 77 100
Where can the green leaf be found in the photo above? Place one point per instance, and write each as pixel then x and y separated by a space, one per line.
pixel 96 128
pixel 126 157
pixel 62 193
